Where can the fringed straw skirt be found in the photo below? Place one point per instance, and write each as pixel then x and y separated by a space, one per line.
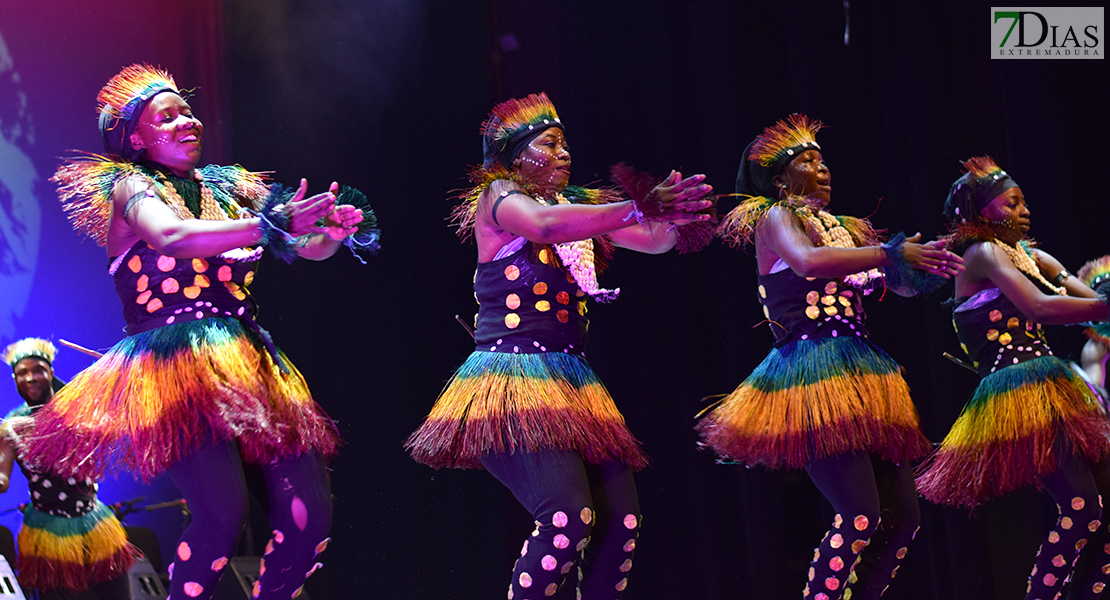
pixel 501 403
pixel 1010 432
pixel 816 398
pixel 155 397
pixel 72 552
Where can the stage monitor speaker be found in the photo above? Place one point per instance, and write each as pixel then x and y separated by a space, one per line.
pixel 9 587
pixel 145 583
pixel 239 578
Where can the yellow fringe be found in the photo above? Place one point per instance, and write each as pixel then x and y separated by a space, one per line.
pixel 99 544
pixel 835 401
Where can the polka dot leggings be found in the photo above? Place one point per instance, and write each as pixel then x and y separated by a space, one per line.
pixel 857 554
pixel 213 484
pixel 1076 493
pixel 579 510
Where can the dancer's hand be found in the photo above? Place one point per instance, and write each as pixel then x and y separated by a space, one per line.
pixel 932 257
pixel 677 199
pixel 304 213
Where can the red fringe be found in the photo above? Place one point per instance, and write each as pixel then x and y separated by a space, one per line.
pixel 448 443
pixel 972 474
pixel 36 572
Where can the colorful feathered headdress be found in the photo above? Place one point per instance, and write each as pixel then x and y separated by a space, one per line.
pixel 121 101
pixel 27 348
pixel 981 182
pixel 770 152
pixel 513 124
pixel 1096 273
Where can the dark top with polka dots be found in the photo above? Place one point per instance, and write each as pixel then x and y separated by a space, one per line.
pixel 53 494
pixel 158 290
pixel 527 305
pixel 994 333
pixel 802 308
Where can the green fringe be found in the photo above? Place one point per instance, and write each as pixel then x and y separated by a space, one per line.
pixel 806 362
pixel 368 234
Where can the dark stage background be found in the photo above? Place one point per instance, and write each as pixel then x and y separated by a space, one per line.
pixel 387 96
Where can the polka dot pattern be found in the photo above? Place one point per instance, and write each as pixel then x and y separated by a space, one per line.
pixel 162 288
pixel 59 497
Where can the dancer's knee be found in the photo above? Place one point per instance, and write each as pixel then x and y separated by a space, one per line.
pixel 225 516
pixel 1082 511
pixel 570 528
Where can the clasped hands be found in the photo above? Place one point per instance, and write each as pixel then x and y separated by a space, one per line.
pixel 320 214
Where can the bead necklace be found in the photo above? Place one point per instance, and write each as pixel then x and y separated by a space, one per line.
pixel 834 234
pixel 1021 258
pixel 210 210
pixel 578 258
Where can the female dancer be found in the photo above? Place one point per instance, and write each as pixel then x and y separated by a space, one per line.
pixel 825 399
pixel 197 387
pixel 1031 420
pixel 525 405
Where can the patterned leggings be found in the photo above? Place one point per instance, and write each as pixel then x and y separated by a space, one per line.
pixel 212 481
pixel 877 516
pixel 1079 539
pixel 581 511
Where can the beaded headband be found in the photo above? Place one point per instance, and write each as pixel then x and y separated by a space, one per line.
pixel 770 152
pixel 514 123
pixel 122 100
pixel 28 348
pixel 1095 272
pixel 982 181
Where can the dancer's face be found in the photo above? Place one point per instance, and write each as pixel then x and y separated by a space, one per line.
pixel 170 133
pixel 1009 215
pixel 546 160
pixel 806 176
pixel 32 380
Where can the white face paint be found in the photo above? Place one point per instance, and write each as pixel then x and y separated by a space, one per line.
pixel 546 160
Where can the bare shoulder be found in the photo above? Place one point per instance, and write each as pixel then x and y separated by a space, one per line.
pixel 779 218
pixel 127 187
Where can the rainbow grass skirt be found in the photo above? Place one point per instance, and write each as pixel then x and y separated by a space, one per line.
pixel 1010 431
pixel 816 398
pixel 500 403
pixel 152 399
pixel 72 553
